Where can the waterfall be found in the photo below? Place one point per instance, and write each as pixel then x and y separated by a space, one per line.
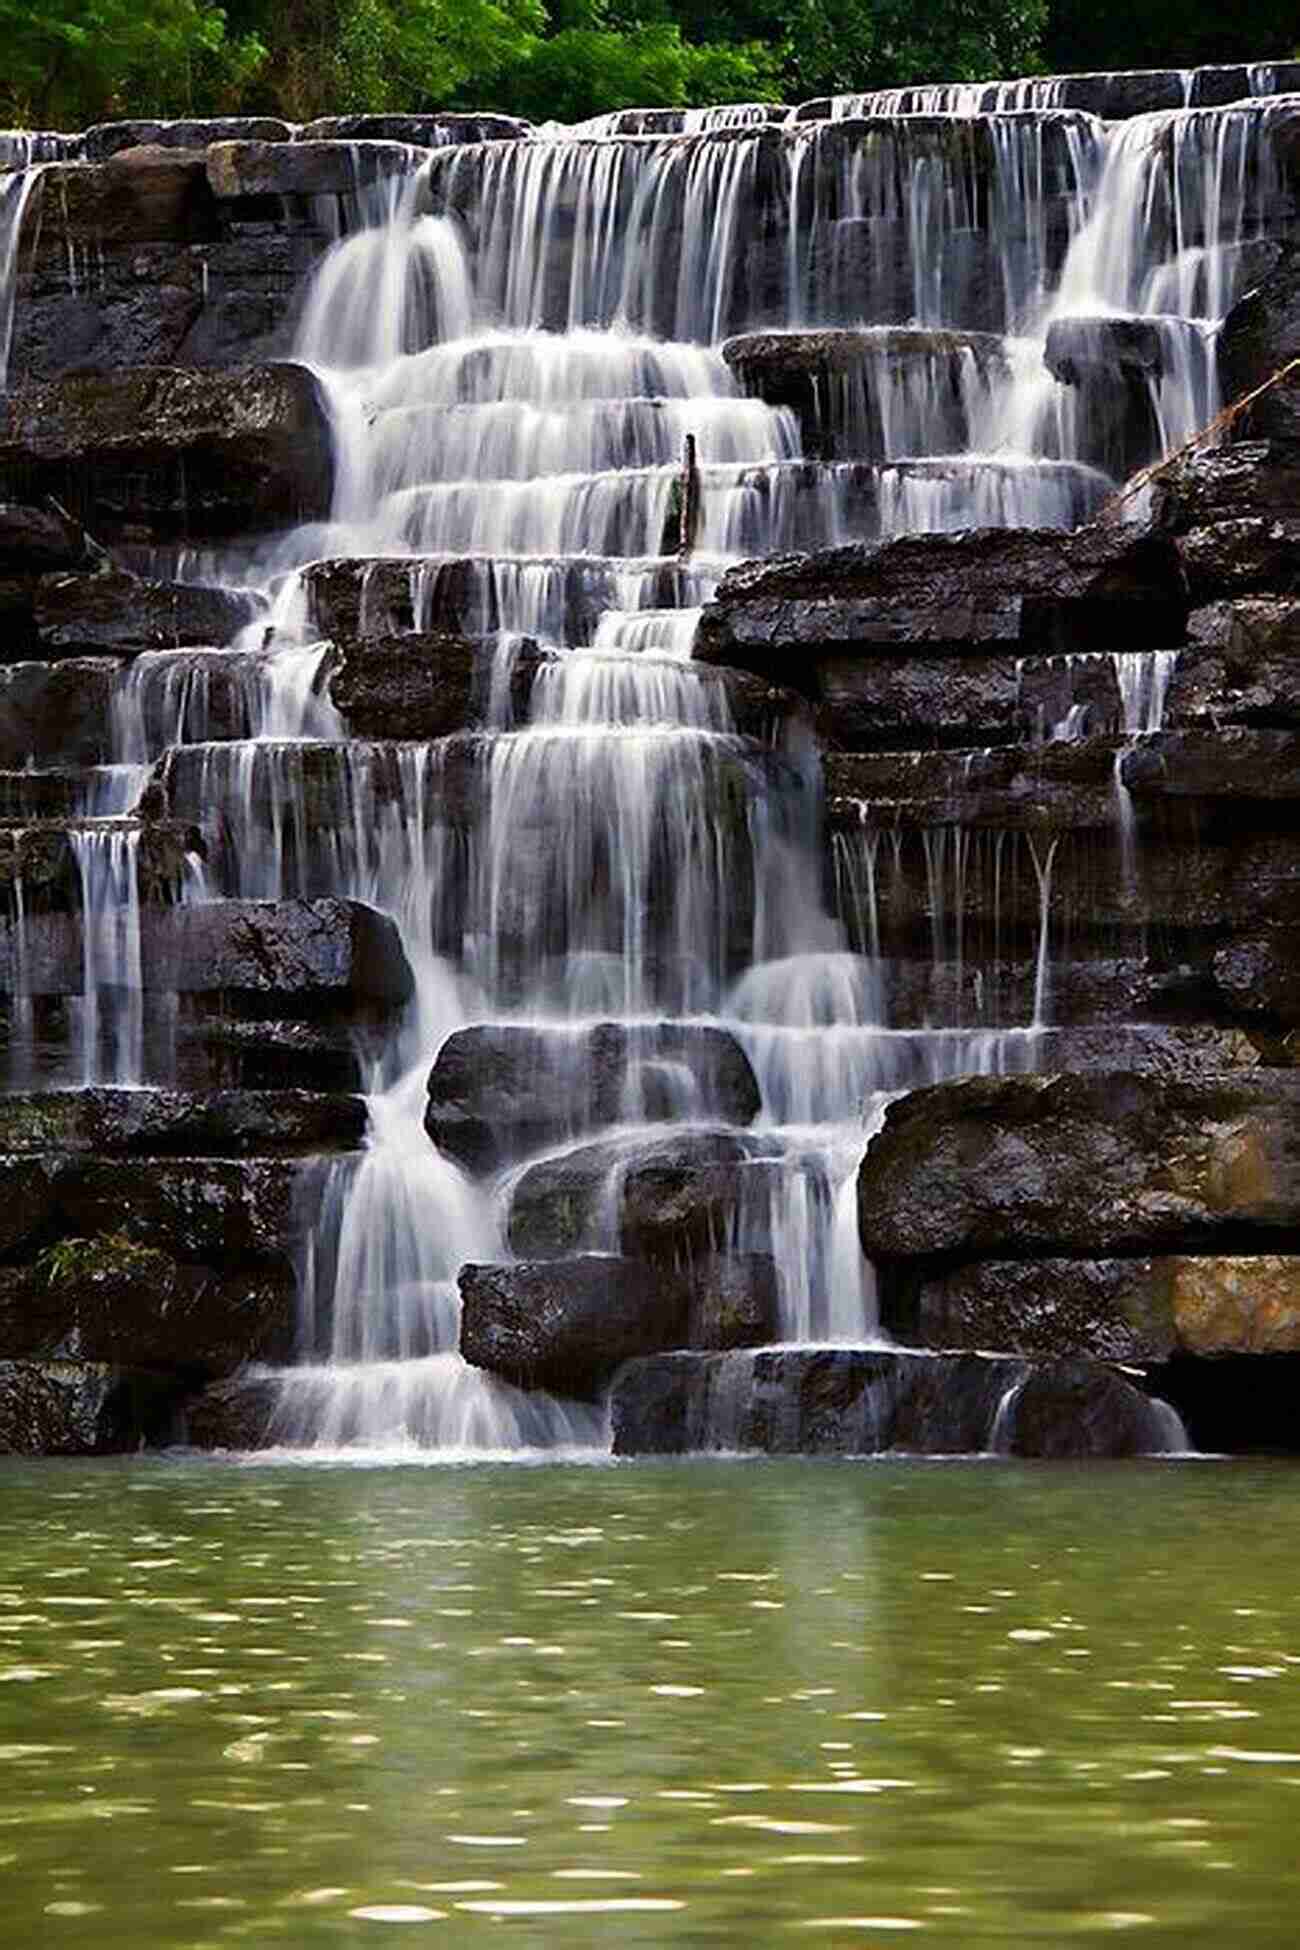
pixel 517 341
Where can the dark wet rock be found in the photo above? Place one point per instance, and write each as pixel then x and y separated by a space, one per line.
pixel 309 950
pixel 1260 336
pixel 1235 763
pixel 500 1090
pixel 419 131
pixel 107 1298
pixel 567 1324
pixel 148 193
pixel 85 615
pixel 57 713
pixel 1072 1409
pixel 215 1211
pixel 564 1204
pixel 1094 1165
pixel 1242 556
pixel 1108 1309
pixel 29 1200
pixel 994 590
pixel 108 139
pixel 38 541
pixel 336 963
pixel 184 452
pixel 225 1052
pixel 422 684
pixel 68 1408
pixel 734 1301
pixel 238 1412
pixel 1066 784
pixel 1241 666
pixel 242 170
pixel 867 703
pixel 1247 480
pixel 159 1123
pixel 1260 974
pixel 860 1401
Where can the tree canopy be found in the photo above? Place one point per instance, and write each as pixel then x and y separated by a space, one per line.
pixel 72 62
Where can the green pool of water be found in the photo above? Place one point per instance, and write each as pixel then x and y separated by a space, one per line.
pixel 678 1704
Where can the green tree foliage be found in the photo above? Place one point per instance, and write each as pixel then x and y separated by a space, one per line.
pixel 71 62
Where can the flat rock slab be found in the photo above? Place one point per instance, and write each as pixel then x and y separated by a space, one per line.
pixel 1095 1165
pixel 89 615
pixel 501 1090
pixel 237 170
pixel 187 451
pixel 987 589
pixel 859 1401
pixel 159 1123
pixel 307 957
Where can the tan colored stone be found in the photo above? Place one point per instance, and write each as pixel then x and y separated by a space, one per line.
pixel 1237 1305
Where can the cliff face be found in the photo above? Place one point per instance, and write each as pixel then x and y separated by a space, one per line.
pixel 363 726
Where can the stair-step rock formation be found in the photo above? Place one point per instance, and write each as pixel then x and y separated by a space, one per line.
pixel 797 853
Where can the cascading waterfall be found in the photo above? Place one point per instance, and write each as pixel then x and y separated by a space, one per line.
pixel 517 340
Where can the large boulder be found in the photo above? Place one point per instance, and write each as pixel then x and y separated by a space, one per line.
pixel 1242 556
pixel 631 1193
pixel 1094 1166
pixel 500 1090
pixel 566 1324
pixel 1072 1409
pixel 995 590
pixel 178 451
pixel 237 1412
pixel 78 1408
